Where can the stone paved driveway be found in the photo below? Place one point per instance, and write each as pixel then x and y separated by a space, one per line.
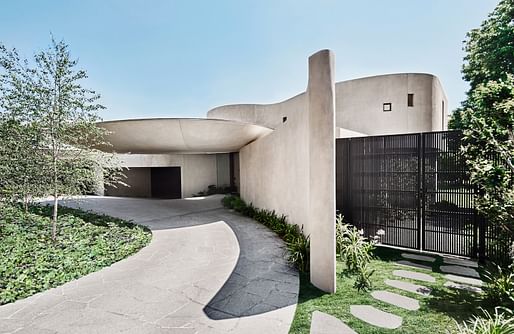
pixel 207 270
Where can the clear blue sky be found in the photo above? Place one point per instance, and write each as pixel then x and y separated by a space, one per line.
pixel 152 58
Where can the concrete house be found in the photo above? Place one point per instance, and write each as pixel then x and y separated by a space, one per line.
pixel 280 156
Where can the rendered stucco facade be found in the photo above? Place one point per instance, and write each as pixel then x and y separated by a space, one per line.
pixel 198 172
pixel 359 106
pixel 282 156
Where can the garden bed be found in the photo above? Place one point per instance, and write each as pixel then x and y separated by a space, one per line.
pixel 30 261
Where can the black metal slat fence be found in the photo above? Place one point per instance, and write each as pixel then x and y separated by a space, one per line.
pixel 414 187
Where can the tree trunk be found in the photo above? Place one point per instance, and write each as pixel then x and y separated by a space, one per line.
pixel 54 217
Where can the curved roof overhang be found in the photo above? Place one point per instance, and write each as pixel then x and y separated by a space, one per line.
pixel 180 135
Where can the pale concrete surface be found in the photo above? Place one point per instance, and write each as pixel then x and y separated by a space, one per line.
pixel 459 270
pixel 406 263
pixel 180 135
pixel 409 287
pixel 466 287
pixel 207 270
pixel 414 275
pixel 198 172
pixel 359 106
pixel 425 258
pixel 376 317
pixel 395 299
pixel 464 280
pixel 460 262
pixel 322 156
pixel 322 323
pixel 268 180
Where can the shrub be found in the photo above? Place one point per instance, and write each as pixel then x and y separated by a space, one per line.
pixel 499 290
pixel 354 249
pixel 213 189
pixel 227 201
pixel 363 279
pixel 299 252
pixel 297 244
pixel 502 322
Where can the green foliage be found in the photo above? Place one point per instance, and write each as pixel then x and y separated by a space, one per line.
pixel 499 290
pixel 297 243
pixel 356 252
pixel 489 54
pixel 363 279
pixel 30 261
pixel 299 250
pixel 502 322
pixel 54 120
pixel 487 117
pixel 213 189
pixel 489 49
pixel 354 249
pixel 488 147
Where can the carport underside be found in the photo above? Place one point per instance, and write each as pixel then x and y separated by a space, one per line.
pixel 177 158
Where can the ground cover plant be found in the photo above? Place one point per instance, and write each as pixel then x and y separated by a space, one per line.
pixel 297 243
pixel 31 261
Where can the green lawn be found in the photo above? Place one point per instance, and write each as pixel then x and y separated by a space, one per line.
pixel 435 315
pixel 30 261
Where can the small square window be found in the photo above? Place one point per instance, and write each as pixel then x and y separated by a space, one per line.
pixel 284 119
pixel 410 100
pixel 387 107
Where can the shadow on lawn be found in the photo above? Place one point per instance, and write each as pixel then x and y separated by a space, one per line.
pixel 458 304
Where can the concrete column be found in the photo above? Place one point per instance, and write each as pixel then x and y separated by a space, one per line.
pixel 321 96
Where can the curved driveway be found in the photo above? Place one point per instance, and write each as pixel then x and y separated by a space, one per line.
pixel 206 270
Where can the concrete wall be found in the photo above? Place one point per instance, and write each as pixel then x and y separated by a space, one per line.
pixel 139 180
pixel 359 104
pixel 269 115
pixel 198 172
pixel 291 170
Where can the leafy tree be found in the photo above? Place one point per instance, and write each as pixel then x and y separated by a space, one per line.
pixel 488 146
pixel 20 162
pixel 56 118
pixel 489 53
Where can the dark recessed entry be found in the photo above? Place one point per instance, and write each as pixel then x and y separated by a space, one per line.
pixel 166 182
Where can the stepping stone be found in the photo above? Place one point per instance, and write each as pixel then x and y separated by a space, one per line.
pixel 462 271
pixel 323 323
pixel 465 280
pixel 413 264
pixel 460 262
pixel 454 285
pixel 425 258
pixel 406 286
pixel 414 275
pixel 395 299
pixel 375 317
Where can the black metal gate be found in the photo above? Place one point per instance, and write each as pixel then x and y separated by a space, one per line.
pixel 414 187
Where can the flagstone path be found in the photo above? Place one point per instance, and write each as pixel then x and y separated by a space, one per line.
pixel 461 274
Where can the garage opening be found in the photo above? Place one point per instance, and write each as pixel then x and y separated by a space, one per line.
pixel 166 182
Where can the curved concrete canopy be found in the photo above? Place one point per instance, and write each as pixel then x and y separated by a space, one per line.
pixel 180 135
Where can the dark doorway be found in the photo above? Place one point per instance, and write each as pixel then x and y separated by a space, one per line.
pixel 166 182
